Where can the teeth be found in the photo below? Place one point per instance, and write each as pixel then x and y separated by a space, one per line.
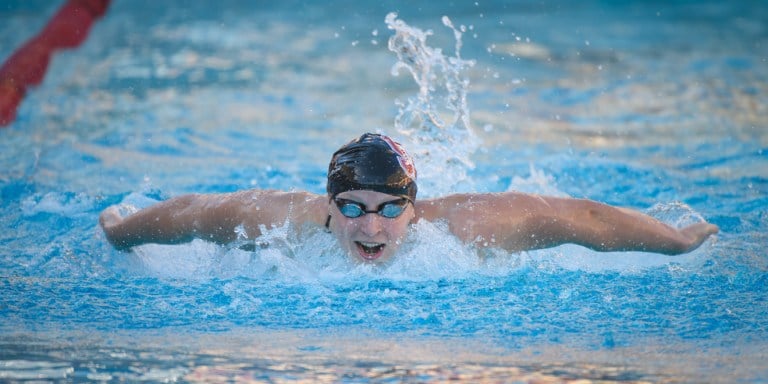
pixel 370 248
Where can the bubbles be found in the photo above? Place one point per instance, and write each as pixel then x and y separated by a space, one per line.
pixel 192 261
pixel 676 214
pixel 429 253
pixel 437 119
pixel 538 182
pixel 23 370
pixel 65 204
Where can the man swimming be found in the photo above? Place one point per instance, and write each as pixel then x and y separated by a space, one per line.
pixel 371 203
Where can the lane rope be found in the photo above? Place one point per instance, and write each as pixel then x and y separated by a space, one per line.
pixel 27 66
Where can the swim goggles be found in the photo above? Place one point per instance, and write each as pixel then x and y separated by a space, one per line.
pixel 353 209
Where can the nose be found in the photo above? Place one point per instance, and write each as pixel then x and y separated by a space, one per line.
pixel 371 224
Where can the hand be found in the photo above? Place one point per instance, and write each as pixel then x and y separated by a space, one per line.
pixel 110 220
pixel 695 234
pixel 110 217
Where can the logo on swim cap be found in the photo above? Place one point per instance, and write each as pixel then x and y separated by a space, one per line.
pixel 405 160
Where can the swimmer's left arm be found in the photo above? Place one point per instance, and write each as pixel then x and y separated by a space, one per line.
pixel 606 228
pixel 518 222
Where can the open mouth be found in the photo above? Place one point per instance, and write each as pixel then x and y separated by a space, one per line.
pixel 369 251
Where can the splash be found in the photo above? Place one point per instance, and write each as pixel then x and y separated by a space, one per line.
pixel 316 260
pixel 538 182
pixel 437 119
pixel 66 204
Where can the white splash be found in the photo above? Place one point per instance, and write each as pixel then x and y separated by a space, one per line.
pixel 538 182
pixel 437 119
pixel 65 204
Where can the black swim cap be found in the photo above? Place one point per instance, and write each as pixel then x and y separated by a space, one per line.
pixel 372 162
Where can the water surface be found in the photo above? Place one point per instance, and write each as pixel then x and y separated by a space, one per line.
pixel 655 106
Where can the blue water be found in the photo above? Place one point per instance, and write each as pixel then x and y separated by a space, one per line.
pixel 656 106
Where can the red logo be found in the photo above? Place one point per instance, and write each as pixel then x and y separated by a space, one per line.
pixel 405 160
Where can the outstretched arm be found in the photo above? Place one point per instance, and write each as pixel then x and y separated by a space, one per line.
pixel 516 221
pixel 606 228
pixel 212 217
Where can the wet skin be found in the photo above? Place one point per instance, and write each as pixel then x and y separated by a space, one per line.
pixel 370 237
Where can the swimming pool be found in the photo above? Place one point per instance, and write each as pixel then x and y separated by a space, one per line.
pixel 660 107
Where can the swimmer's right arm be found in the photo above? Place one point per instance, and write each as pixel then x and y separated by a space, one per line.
pixel 211 217
pixel 173 221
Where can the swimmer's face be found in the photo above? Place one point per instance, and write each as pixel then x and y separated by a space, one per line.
pixel 370 237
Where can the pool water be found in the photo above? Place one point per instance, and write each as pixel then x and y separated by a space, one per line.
pixel 656 106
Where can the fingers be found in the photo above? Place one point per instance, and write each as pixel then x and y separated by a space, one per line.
pixel 701 229
pixel 110 217
pixel 110 220
pixel 697 233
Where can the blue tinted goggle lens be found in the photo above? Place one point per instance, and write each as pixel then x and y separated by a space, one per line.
pixel 353 209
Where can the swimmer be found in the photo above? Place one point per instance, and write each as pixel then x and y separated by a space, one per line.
pixel 371 204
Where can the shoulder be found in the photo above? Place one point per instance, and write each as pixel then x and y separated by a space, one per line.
pixel 260 196
pixel 505 219
pixel 457 206
pixel 273 205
